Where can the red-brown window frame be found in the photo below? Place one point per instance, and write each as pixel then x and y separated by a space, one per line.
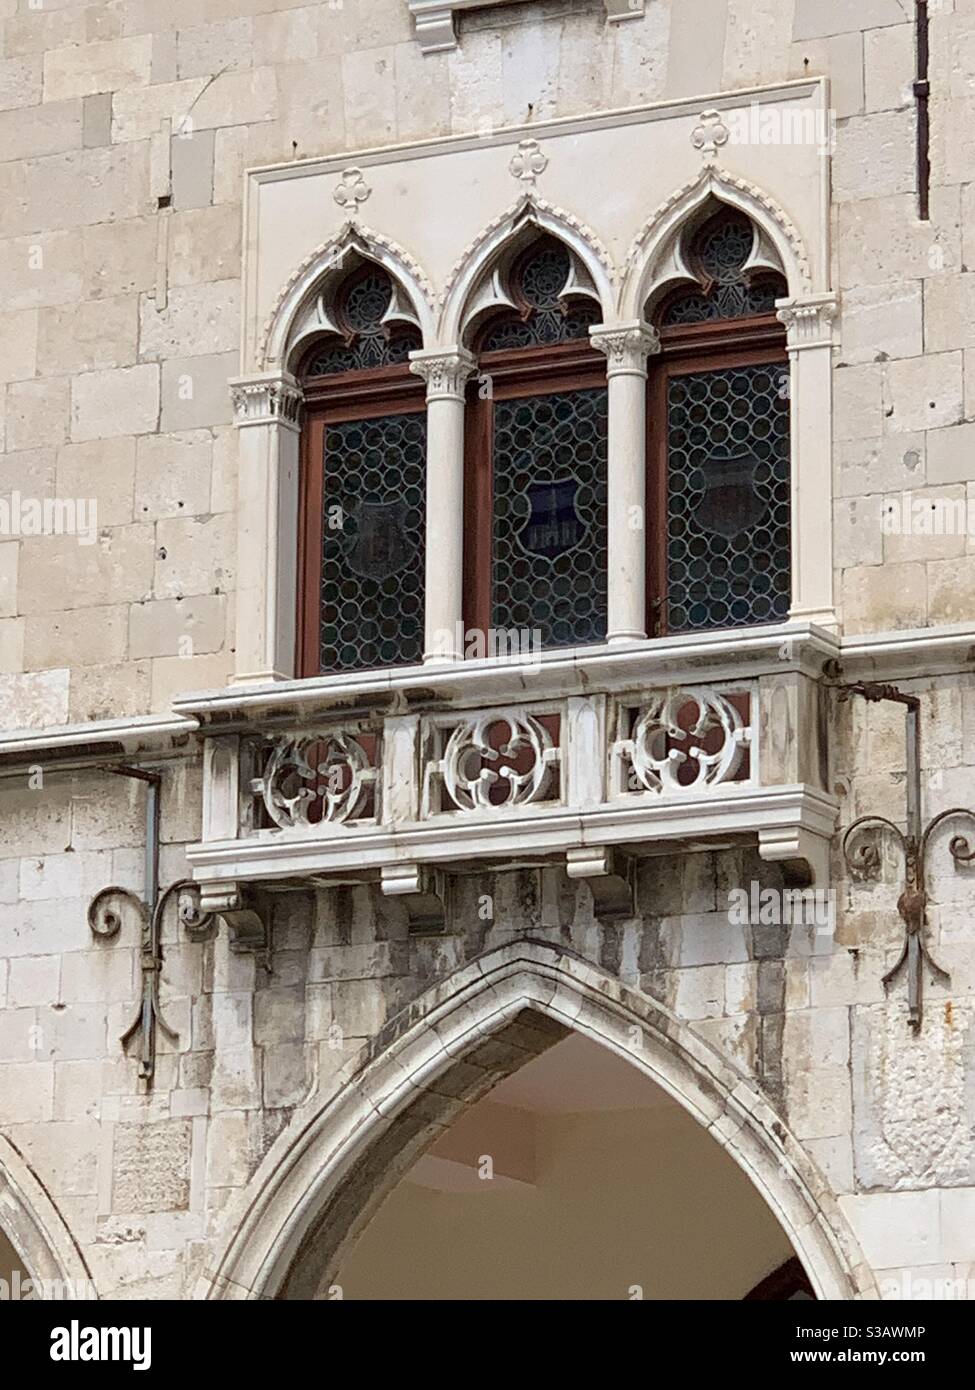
pixel 332 400
pixel 513 372
pixel 714 346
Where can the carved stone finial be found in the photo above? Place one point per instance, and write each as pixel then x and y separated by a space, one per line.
pixel 710 135
pixel 352 190
pixel 528 162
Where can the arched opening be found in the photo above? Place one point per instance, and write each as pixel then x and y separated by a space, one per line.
pixel 576 1178
pixel 326 1176
pixel 13 1272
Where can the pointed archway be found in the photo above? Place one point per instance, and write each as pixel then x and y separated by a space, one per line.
pixel 328 1173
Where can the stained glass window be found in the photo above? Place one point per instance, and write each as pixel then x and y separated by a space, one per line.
pixel 728 498
pixel 549 541
pixel 719 253
pixel 367 341
pixel 373 542
pixel 543 317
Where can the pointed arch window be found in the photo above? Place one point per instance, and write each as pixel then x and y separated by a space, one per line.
pixel 535 486
pixel 719 455
pixel 363 485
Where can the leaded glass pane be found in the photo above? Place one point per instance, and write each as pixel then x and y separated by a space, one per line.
pixel 547 319
pixel 720 250
pixel 369 342
pixel 373 543
pixel 729 491
pixel 549 528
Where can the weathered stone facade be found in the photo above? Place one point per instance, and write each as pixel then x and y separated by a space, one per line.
pixel 126 132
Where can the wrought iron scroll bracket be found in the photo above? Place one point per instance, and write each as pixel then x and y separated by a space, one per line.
pixel 105 920
pixel 861 850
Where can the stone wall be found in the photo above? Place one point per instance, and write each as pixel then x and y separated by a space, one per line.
pixel 125 131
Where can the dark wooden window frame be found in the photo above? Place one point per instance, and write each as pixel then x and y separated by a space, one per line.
pixel 332 400
pixel 511 374
pixel 684 349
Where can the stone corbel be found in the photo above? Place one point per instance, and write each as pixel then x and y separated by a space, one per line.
pixel 802 854
pixel 433 20
pixel 610 876
pixel 238 906
pixel 422 891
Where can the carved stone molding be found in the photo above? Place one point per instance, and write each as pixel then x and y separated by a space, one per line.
pixel 626 346
pixel 528 162
pixel 710 136
pixel 445 373
pixel 434 26
pixel 351 190
pixel 330 771
pixel 273 398
pixel 809 322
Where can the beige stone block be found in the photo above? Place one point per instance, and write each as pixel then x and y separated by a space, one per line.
pixel 11 645
pixel 85 337
pixel 40 269
pixel 26 1092
pixel 122 401
pixel 639 60
pixel 894 463
pixel 18 345
pixel 757 36
pixel 223 497
pixel 178 627
pixel 138 114
pixel 195 555
pixel 840 58
pixel 20 82
pixel 36 31
pixel 883 143
pixel 951 590
pixel 368 82
pixel 927 524
pixel 79 188
pixel 32 131
pixel 196 391
pixel 118 569
pixel 97 67
pixel 176 675
pixel 969 360
pixel 884 598
pixel 857 535
pixel 30 473
pixel 83 637
pixel 237 98
pixel 207 48
pixel 312 113
pixel 815 18
pixel 925 392
pixel 102 469
pixel 97 120
pixel 882 321
pixel 101 692
pixel 191 169
pixel 881 240
pixel 951 454
pixel 889 65
pixel 198 319
pixel 695 49
pixel 59 876
pixel 172 475
pixel 9 557
pixel 33 700
pixel 78 1089
pixel 37 414
pixel 858 407
pixel 33 980
pixel 119 257
pixel 953 141
pixel 584 82
pixel 949 307
pixel 204 245
pixel 151 1167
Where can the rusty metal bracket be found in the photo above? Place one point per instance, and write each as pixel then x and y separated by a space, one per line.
pixel 862 854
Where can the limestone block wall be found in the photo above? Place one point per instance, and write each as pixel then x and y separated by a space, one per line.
pixel 125 130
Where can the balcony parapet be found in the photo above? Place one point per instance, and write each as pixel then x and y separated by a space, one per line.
pixel 590 759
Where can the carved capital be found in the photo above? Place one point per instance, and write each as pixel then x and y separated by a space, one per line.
pixel 444 372
pixel 809 321
pixel 626 346
pixel 273 398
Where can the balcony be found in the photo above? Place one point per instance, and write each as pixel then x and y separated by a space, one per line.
pixel 589 759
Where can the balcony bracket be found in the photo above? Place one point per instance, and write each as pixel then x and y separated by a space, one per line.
pixel 422 891
pixel 246 919
pixel 610 875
